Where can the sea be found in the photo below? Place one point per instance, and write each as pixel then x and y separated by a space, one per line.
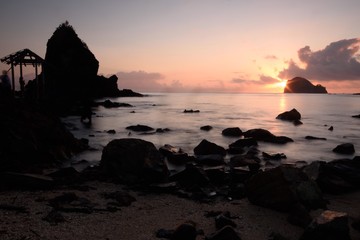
pixel 223 110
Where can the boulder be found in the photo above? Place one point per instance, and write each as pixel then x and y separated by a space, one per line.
pixel 140 128
pixel 275 156
pixel 345 148
pixel 210 160
pixel 232 132
pixel 356 116
pixel 330 225
pixel 252 162
pixel 186 231
pixel 33 138
pixel 109 104
pixel 206 128
pixel 191 177
pixel 266 136
pixel 175 155
pixel 292 115
pixel 315 138
pixel 338 176
pixel 133 160
pixel 282 188
pixel 239 146
pixel 208 148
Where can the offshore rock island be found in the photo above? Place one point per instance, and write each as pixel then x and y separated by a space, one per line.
pixel 302 85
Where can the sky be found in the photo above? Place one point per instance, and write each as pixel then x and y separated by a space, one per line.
pixel 200 45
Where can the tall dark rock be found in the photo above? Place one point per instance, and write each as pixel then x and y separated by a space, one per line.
pixel 71 68
pixel 302 85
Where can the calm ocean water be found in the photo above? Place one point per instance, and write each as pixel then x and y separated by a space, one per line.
pixel 221 111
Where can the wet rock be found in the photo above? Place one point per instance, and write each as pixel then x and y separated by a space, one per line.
pixel 330 225
pixel 175 155
pixel 232 132
pixel 109 104
pixel 314 138
pixel 162 130
pixel 112 131
pixel 282 188
pixel 292 115
pixel 216 174
pixel 331 128
pixel 13 180
pixel 275 156
pixel 226 233
pixel 206 128
pixel 345 148
pixel 252 162
pixel 186 231
pixel 140 128
pixel 207 148
pixel 239 146
pixel 133 160
pixel 191 111
pixel 299 216
pixel 266 136
pixel 210 160
pixel 339 176
pixel 356 116
pixel 191 176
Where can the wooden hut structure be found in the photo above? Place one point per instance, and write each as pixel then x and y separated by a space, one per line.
pixel 22 58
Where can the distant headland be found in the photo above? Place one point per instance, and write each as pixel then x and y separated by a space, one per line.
pixel 302 85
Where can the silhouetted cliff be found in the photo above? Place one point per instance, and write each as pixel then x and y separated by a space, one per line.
pixel 302 85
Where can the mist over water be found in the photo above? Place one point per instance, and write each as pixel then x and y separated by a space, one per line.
pixel 246 111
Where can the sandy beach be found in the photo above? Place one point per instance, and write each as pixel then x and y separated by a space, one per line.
pixel 145 216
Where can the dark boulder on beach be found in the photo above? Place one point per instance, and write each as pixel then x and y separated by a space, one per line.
pixel 329 225
pixel 345 148
pixel 292 115
pixel 208 148
pixel 31 138
pixel 232 132
pixel 175 155
pixel 283 188
pixel 336 177
pixel 302 85
pixel 133 160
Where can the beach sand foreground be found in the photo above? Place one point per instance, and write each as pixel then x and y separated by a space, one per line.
pixel 144 217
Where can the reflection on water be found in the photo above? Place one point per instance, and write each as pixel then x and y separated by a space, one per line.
pixel 246 111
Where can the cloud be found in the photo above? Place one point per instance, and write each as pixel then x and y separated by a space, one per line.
pixel 140 80
pixel 337 61
pixel 263 80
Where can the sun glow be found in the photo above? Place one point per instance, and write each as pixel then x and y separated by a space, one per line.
pixel 282 84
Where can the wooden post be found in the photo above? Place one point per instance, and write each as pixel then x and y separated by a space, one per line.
pixel 12 76
pixel 21 78
pixel 37 82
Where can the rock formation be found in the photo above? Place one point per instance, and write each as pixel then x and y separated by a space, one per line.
pixel 71 70
pixel 302 85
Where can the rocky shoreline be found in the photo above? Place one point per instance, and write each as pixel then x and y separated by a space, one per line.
pixel 135 169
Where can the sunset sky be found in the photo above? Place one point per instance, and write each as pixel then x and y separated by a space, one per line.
pixel 200 45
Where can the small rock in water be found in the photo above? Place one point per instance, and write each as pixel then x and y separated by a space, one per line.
pixel 206 128
pixel 345 148
pixel 331 128
pixel 191 111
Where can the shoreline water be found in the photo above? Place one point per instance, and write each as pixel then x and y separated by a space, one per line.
pixel 246 111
